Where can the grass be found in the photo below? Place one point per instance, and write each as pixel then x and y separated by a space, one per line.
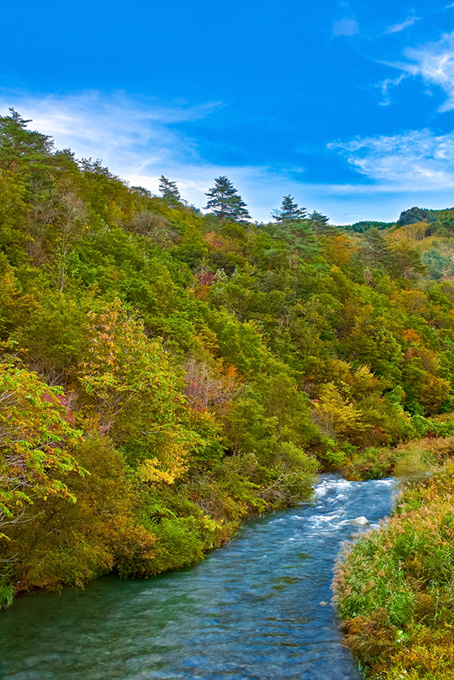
pixel 394 588
pixel 415 457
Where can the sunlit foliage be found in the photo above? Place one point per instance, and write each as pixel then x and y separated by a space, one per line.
pixel 167 374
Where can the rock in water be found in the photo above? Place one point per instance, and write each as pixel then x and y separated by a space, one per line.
pixel 360 522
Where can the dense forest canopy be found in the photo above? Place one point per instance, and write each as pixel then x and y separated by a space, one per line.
pixel 166 374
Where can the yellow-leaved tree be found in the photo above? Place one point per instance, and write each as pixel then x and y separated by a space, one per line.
pixel 134 395
pixel 36 438
pixel 335 414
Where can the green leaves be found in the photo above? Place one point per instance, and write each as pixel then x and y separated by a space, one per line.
pixel 289 211
pixel 225 202
pixel 261 351
pixel 130 387
pixel 36 438
pixel 394 589
pixel 22 150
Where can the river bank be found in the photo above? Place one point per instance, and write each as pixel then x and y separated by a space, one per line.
pixel 395 586
pixel 257 608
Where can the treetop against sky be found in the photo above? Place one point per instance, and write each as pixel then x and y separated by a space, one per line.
pixel 348 106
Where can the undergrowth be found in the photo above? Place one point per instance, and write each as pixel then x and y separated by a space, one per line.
pixel 394 588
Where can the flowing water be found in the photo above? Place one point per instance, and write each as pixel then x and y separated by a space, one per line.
pixel 257 609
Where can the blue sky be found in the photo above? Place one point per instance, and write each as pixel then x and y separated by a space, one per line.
pixel 349 106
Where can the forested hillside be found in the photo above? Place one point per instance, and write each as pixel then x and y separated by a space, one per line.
pixel 166 374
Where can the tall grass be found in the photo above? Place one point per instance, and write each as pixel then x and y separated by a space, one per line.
pixel 394 588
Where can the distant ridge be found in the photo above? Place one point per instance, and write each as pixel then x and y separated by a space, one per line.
pixel 415 214
pixel 406 217
pixel 365 225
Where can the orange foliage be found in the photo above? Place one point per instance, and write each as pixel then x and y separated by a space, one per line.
pixel 411 336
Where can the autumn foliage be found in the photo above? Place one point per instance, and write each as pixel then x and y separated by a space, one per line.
pixel 166 374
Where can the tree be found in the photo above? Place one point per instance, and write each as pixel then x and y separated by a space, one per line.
pixel 21 149
pixel 132 391
pixel 415 215
pixel 377 252
pixel 319 222
pixel 289 211
pixel 225 202
pixel 407 261
pixel 36 438
pixel 169 191
pixel 335 414
pixel 65 543
pixel 73 212
pixel 13 216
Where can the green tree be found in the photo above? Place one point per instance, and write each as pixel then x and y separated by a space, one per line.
pixel 21 149
pixel 377 252
pixel 289 211
pixel 72 214
pixel 13 216
pixel 131 390
pixel 36 438
pixel 225 202
pixel 169 192
pixel 65 543
pixel 319 222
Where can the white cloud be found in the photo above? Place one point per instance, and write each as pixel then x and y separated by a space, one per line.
pixel 397 28
pixel 434 63
pixel 115 128
pixel 386 85
pixel 142 140
pixel 138 140
pixel 412 161
pixel 345 27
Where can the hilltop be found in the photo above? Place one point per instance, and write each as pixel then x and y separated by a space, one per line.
pixel 168 373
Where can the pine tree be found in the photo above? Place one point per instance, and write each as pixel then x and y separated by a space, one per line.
pixel 225 201
pixel 377 252
pixel 319 222
pixel 289 211
pixel 22 150
pixel 169 191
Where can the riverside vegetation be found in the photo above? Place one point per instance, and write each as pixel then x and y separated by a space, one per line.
pixel 166 374
pixel 394 587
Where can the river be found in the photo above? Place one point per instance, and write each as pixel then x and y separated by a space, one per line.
pixel 257 609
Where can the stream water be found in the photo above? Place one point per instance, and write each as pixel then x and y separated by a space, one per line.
pixel 257 609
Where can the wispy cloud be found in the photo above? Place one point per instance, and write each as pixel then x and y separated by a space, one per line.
pixel 413 161
pixel 386 85
pixel 434 63
pixel 397 28
pixel 346 26
pixel 126 131
pixel 140 140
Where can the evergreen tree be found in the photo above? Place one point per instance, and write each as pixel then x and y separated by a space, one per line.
pixel 300 236
pixel 319 222
pixel 225 202
pixel 21 150
pixel 377 251
pixel 169 191
pixel 289 211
